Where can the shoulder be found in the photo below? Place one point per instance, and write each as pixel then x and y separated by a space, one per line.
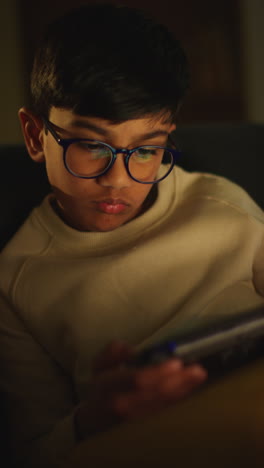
pixel 210 189
pixel 32 239
pixel 33 236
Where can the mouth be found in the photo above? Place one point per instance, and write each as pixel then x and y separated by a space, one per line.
pixel 111 205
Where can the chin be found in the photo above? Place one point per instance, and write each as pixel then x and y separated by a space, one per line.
pixel 107 223
pixel 101 223
pixel 106 227
pixel 98 227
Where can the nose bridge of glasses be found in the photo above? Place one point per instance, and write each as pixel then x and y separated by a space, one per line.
pixel 117 174
pixel 124 151
pixel 122 162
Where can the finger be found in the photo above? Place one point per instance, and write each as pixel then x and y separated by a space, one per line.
pixel 179 386
pixel 163 392
pixel 149 376
pixel 112 355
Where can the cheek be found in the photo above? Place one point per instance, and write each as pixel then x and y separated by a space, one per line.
pixel 58 175
pixel 141 191
pixel 67 184
pixel 54 161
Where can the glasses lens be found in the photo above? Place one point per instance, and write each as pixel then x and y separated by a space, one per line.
pixel 150 164
pixel 88 158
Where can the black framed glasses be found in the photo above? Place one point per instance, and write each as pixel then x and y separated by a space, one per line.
pixel 89 159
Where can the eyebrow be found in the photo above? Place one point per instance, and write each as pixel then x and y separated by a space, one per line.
pixel 101 131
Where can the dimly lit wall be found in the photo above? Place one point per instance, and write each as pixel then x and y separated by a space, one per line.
pixel 253 28
pixel 12 73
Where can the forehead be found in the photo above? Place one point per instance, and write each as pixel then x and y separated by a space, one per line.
pixel 156 124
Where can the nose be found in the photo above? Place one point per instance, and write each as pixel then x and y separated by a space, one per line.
pixel 117 177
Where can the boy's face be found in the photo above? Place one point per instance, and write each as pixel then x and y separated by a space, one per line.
pixel 113 199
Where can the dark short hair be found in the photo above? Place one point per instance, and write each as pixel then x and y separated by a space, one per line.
pixel 110 62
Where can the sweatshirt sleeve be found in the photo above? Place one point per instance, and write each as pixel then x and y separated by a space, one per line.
pixel 37 396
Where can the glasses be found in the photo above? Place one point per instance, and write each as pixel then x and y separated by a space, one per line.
pixel 89 159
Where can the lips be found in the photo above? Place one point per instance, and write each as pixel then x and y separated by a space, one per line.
pixel 111 205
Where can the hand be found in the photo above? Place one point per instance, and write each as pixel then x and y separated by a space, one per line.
pixel 118 393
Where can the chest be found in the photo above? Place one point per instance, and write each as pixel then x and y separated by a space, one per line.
pixel 76 305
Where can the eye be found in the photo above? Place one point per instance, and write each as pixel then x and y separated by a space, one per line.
pixel 90 146
pixel 93 150
pixel 146 153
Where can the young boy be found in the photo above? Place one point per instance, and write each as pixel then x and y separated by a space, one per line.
pixel 125 250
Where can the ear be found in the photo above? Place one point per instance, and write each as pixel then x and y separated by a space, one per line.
pixel 32 128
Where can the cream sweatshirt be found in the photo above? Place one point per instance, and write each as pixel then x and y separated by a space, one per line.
pixel 196 254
